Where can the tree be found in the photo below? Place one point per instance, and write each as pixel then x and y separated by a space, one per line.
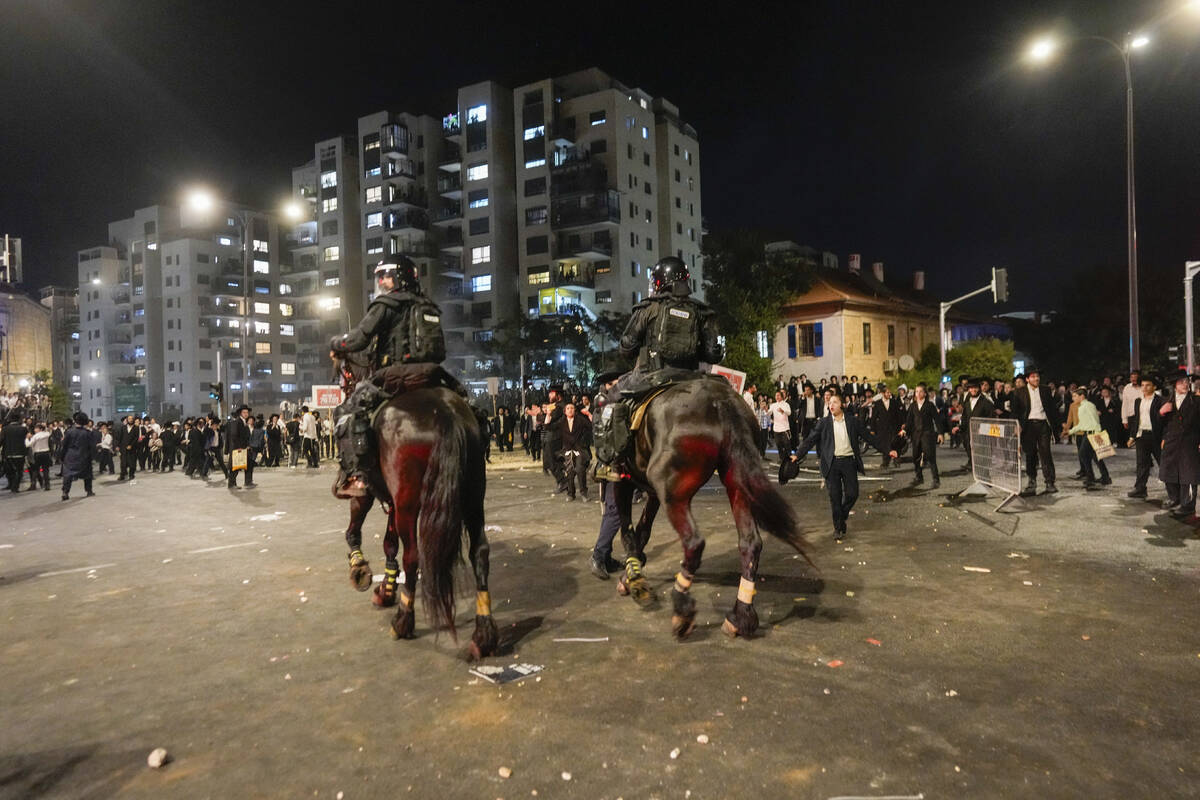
pixel 982 358
pixel 747 290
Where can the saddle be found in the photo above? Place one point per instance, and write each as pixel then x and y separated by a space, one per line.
pixel 621 416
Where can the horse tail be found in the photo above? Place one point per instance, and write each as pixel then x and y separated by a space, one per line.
pixel 440 521
pixel 742 460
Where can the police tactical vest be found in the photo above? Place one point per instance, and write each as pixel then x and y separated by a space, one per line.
pixel 675 334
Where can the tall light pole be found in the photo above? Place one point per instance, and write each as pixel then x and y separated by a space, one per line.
pixel 1041 51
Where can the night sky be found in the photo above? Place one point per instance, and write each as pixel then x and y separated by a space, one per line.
pixel 909 132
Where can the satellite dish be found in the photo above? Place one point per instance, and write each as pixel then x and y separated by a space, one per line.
pixel 907 362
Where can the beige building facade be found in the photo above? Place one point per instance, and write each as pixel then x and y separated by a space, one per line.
pixel 27 345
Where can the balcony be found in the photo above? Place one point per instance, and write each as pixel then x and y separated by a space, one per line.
pixel 598 208
pixel 450 267
pixel 450 213
pixel 406 196
pixel 451 126
pixel 450 186
pixel 458 319
pixel 573 277
pixel 393 140
pixel 578 177
pixel 308 360
pixel 298 242
pixel 417 249
pixel 411 219
pixel 453 243
pixel 457 292
pixel 115 337
pixel 400 168
pixel 451 160
pixel 597 247
pixel 123 357
pixel 562 132
pixel 312 336
pixel 120 297
pixel 306 262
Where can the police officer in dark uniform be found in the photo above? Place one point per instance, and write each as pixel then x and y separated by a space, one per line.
pixel 389 324
pixel 670 333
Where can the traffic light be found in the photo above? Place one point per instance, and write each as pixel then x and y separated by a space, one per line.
pixel 999 284
pixel 216 390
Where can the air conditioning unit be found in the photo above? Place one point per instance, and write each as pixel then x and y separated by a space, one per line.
pixel 890 365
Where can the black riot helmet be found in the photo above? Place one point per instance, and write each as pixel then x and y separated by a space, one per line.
pixel 667 272
pixel 401 270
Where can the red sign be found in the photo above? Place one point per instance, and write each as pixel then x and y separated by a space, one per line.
pixel 327 396
pixel 736 379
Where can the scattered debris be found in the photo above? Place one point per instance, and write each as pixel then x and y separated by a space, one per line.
pixel 505 772
pixel 512 672
pixel 158 756
pixel 581 639
pixel 835 663
pixel 492 529
pixel 1027 583
pixel 287 677
pixel 976 569
pixel 875 642
pixel 566 776
pixel 849 594
pixel 675 753
pixel 1017 555
pixel 275 517
pixel 951 693
pixel 1085 637
pixel 702 739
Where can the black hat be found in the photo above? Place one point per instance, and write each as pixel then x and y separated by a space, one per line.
pixel 973 382
pixel 242 408
pixel 80 418
pixel 607 377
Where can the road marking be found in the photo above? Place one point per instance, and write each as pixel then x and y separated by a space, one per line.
pixel 331 530
pixel 222 547
pixel 77 569
pixel 5 546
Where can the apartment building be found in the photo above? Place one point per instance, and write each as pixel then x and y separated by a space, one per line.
pixel 64 336
pixel 167 307
pixel 10 260
pixel 322 270
pixel 609 182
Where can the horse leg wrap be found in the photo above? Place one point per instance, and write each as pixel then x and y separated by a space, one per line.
pixel 633 567
pixel 683 582
pixel 357 558
pixel 746 591
pixel 483 604
pixel 385 593
pixel 406 599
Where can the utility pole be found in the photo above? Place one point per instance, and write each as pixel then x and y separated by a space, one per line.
pixel 999 289
pixel 1189 271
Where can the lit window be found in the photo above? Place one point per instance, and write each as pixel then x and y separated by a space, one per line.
pixel 74 379
pixel 645 132
pixel 260 246
pixel 374 194
pixel 477 198
pixel 262 266
pixel 476 114
pixel 262 308
pixel 287 330
pixel 597 117
pixel 374 249
pixel 286 310
pixel 152 245
pixel 333 253
pixel 225 240
pixel 328 179
pixel 334 281
pixel 537 278
pixel 477 172
pixel 373 172
pixel 481 255
pixel 537 162
pixel 481 283
pixel 287 368
pixel 642 102
pixel 233 323
pixel 328 204
pixel 533 133
pixel 262 328
pixel 333 302
pixel 375 220
pixel 262 348
pixel 285 288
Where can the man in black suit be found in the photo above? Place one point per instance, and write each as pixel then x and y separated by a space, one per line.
pixel 923 428
pixel 1034 408
pixel 574 436
pixel 808 409
pixel 888 416
pixel 128 440
pixel 1145 434
pixel 975 406
pixel 237 437
pixel 837 437
pixel 15 450
pixel 1179 462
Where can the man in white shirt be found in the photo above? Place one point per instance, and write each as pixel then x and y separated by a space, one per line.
pixel 1034 408
pixel 308 435
pixel 1130 392
pixel 781 414
pixel 748 396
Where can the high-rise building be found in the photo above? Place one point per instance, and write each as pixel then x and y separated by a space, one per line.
pixel 10 260
pixel 64 332
pixel 169 306
pixel 608 183
pixel 324 275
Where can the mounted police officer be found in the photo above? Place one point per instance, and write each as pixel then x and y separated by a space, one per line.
pixel 671 334
pixel 409 345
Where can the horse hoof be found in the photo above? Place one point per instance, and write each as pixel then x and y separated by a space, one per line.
pixel 484 640
pixel 682 626
pixel 382 600
pixel 360 577
pixel 642 594
pixel 729 629
pixel 402 625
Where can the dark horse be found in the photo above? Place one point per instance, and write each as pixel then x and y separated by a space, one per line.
pixel 690 430
pixel 431 461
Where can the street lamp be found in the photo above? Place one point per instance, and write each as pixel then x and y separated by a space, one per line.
pixel 329 303
pixel 1040 52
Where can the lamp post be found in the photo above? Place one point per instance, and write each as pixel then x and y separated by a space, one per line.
pixel 1042 51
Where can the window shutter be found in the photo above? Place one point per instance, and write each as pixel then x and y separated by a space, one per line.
pixel 791 339
pixel 818 341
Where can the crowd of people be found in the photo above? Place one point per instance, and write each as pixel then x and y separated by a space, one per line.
pixel 199 446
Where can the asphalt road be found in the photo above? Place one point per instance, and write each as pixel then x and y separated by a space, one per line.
pixel 222 626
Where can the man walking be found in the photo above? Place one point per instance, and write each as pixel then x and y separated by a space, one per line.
pixel 129 439
pixel 888 416
pixel 12 440
pixel 923 427
pixel 1145 434
pixel 975 406
pixel 1034 408
pixel 1088 423
pixel 781 415
pixel 237 437
pixel 78 444
pixel 1179 463
pixel 308 433
pixel 837 437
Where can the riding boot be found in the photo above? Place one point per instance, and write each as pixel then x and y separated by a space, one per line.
pixel 357 455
